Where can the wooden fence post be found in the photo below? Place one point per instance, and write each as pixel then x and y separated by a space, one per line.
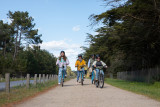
pixel 28 80
pixel 47 78
pixel 111 75
pixel 35 79
pixel 52 77
pixel 7 78
pixel 43 78
pixel 39 78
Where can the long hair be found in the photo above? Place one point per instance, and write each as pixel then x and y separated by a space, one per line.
pixel 64 57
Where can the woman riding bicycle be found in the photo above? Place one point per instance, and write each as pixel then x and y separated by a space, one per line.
pixel 80 63
pixel 99 65
pixel 62 62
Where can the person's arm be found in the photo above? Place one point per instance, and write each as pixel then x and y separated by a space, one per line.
pixel 76 64
pixel 57 63
pixel 67 61
pixel 104 65
pixel 94 64
pixel 89 63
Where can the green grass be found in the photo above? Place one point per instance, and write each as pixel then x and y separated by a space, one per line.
pixel 150 90
pixel 18 93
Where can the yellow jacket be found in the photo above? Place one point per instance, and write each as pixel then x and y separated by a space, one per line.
pixel 80 64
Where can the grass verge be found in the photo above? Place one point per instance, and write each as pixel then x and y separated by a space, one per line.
pixel 20 93
pixel 150 90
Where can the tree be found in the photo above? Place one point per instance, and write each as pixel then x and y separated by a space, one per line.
pixel 24 29
pixel 129 39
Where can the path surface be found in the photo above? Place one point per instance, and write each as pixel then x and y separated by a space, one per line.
pixel 72 95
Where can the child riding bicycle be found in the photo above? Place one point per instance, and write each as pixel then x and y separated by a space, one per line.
pixel 80 63
pixel 99 65
pixel 62 62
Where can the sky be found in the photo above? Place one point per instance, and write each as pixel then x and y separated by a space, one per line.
pixel 62 23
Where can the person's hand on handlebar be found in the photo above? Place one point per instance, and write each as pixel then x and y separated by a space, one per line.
pixel 105 66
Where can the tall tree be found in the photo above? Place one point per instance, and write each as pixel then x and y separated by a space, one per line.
pixel 24 29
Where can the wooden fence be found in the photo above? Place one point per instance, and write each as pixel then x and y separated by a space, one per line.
pixel 146 75
pixel 41 78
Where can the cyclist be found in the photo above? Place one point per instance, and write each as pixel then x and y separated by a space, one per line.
pixel 80 63
pixel 99 65
pixel 90 63
pixel 62 62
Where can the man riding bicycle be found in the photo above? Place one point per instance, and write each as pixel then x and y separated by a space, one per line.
pixel 99 65
pixel 80 63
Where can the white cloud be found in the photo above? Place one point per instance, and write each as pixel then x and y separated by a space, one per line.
pixel 76 28
pixel 8 20
pixel 71 50
pixel 3 20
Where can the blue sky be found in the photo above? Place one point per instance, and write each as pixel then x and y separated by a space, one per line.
pixel 62 23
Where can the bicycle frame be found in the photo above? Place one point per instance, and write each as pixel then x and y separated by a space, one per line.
pixel 62 79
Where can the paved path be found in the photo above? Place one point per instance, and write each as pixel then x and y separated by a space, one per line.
pixel 72 95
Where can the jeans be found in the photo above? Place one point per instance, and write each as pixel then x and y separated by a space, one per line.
pixel 93 75
pixel 60 74
pixel 78 74
pixel 97 72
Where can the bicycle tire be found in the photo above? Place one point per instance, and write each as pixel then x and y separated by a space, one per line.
pixel 62 79
pixel 101 81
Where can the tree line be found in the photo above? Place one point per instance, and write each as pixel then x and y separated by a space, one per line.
pixel 130 36
pixel 17 56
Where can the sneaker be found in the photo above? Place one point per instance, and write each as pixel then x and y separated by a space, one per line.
pixel 59 83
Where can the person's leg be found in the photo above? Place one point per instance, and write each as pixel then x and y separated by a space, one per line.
pixel 77 76
pixel 97 72
pixel 101 71
pixel 64 73
pixel 83 74
pixel 59 75
pixel 92 75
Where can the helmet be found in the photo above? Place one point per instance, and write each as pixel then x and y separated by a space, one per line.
pixel 79 55
pixel 97 56
pixel 93 55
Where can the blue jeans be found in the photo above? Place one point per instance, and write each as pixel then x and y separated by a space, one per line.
pixel 78 74
pixel 93 75
pixel 60 74
pixel 97 72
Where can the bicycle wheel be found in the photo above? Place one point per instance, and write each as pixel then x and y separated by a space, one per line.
pixel 101 81
pixel 62 79
pixel 81 79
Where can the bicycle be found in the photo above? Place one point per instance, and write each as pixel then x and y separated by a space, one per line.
pixel 62 79
pixel 81 77
pixel 100 81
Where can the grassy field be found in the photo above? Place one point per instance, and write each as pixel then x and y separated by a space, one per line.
pixel 20 92
pixel 150 90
